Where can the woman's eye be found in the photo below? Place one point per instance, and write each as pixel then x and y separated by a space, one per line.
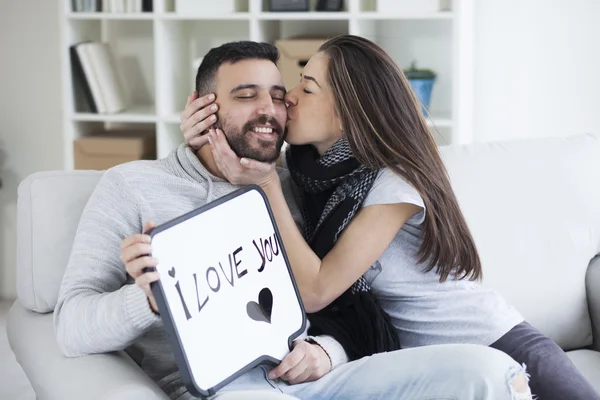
pixel 307 91
pixel 245 97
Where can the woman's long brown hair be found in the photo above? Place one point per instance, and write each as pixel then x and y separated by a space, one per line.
pixel 381 117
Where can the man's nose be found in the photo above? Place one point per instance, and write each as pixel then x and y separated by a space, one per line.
pixel 266 106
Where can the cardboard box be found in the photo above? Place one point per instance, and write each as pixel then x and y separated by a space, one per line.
pixel 100 152
pixel 294 54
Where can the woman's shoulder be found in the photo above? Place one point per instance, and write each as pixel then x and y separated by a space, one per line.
pixel 387 175
pixel 391 188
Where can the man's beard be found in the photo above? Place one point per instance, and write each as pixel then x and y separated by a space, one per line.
pixel 239 140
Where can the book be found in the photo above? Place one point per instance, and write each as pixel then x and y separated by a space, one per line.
pixel 147 6
pixel 80 83
pixel 91 76
pixel 78 5
pixel 96 78
pixel 108 77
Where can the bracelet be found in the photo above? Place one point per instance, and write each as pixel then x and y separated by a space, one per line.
pixel 313 341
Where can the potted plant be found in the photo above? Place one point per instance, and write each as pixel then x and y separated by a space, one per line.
pixel 421 81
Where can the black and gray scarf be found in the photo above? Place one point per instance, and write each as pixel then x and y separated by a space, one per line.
pixel 334 187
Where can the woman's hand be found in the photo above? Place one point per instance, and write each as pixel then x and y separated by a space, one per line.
pixel 240 171
pixel 305 363
pixel 199 116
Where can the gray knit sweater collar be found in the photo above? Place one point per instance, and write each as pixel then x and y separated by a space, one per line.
pixel 184 163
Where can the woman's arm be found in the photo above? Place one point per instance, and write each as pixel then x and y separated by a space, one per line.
pixel 363 241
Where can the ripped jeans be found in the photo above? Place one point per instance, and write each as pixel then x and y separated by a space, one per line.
pixel 444 372
pixel 553 374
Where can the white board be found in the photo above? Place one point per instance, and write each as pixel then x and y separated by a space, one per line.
pixel 226 293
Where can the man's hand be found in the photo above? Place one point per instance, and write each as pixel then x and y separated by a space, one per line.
pixel 135 251
pixel 199 116
pixel 306 363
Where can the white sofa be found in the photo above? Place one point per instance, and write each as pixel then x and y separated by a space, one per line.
pixel 533 207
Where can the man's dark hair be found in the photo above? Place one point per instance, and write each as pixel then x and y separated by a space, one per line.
pixel 231 53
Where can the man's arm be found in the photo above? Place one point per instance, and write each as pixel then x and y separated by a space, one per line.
pixel 97 311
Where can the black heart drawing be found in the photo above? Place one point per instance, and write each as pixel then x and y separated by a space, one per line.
pixel 172 272
pixel 261 311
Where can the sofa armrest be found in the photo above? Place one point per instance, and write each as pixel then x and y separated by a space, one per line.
pixel 111 376
pixel 592 288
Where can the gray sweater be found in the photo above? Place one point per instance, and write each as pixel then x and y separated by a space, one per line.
pixel 99 308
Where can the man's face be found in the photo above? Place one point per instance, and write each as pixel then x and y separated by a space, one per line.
pixel 252 111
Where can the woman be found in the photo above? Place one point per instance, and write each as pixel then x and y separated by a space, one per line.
pixel 380 213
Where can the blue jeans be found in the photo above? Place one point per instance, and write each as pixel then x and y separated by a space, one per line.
pixel 553 374
pixel 448 372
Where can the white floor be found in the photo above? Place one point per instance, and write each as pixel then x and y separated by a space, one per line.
pixel 13 382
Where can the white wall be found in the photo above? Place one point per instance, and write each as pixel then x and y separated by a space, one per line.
pixel 30 113
pixel 537 68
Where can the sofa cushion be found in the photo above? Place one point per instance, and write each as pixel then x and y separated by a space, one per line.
pixel 533 207
pixel 592 286
pixel 588 362
pixel 49 207
pixel 112 375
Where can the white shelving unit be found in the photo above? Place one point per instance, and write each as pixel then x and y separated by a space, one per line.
pixel 155 51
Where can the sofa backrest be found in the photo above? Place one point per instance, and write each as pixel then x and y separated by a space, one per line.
pixel 48 211
pixel 533 207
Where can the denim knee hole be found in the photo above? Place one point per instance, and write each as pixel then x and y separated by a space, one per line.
pixel 518 376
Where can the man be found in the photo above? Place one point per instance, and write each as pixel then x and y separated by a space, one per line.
pixel 100 310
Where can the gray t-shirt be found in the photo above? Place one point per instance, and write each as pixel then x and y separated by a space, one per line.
pixel 425 311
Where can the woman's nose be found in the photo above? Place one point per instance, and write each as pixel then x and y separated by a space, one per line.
pixel 290 98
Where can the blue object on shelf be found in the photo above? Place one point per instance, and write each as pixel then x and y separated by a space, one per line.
pixel 423 89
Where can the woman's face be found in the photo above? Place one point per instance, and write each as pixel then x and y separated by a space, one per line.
pixel 311 115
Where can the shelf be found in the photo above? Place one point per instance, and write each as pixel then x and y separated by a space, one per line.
pixel 173 16
pixel 374 15
pixel 310 16
pixel 171 118
pixel 146 16
pixel 134 114
pixel 440 121
pixel 300 16
pixel 154 53
pixel 264 16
